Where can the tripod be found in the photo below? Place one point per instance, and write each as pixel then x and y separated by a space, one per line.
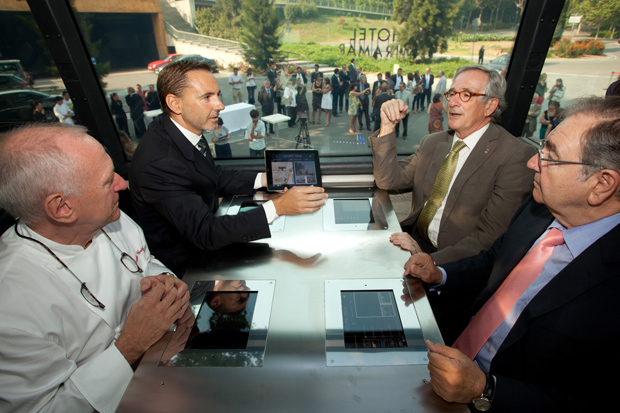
pixel 304 135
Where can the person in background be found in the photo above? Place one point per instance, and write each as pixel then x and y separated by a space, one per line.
pixel 481 55
pixel 255 134
pixel 441 87
pixel 364 108
pixel 265 98
pixel 250 84
pixel 278 91
pixel 220 140
pixel 335 84
pixel 81 296
pixel 289 99
pixel 235 80
pixel 344 89
pixel 379 100
pixel 354 107
pixel 116 107
pixel 62 111
pixel 427 85
pixel 38 113
pixel 436 111
pixel 315 73
pixel 317 97
pixel 418 92
pixel 557 91
pixel 377 85
pixel 532 117
pixel 404 95
pixel 142 95
pixel 152 101
pixel 548 116
pixel 136 111
pixel 301 100
pixel 541 88
pixel 129 146
pixel 327 101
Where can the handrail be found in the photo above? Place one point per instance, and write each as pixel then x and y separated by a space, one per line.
pixel 183 35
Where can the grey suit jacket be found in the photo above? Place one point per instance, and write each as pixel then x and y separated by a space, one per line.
pixel 488 190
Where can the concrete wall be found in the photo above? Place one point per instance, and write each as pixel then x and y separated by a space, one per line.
pixel 223 58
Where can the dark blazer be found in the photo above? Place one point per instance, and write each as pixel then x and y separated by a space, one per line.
pixel 293 79
pixel 363 98
pixel 174 193
pixel 271 75
pixel 352 73
pixel 381 99
pixel 266 101
pixel 544 363
pixel 430 83
pixel 335 83
pixel 136 106
pixel 489 188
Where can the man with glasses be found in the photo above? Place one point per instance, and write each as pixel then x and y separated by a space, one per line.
pixel 81 297
pixel 543 301
pixel 468 181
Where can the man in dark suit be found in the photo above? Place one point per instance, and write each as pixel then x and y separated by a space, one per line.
pixel 315 74
pixel 353 72
pixel 379 100
pixel 487 184
pixel 397 78
pixel 272 74
pixel 344 89
pixel 265 98
pixel 365 101
pixel 299 75
pixel 377 84
pixel 175 183
pixel 136 111
pixel 568 302
pixel 427 86
pixel 336 91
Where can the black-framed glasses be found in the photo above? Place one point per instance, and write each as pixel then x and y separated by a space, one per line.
pixel 465 95
pixel 128 262
pixel 541 158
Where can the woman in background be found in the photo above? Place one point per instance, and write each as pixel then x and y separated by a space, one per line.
pixel 327 101
pixel 353 107
pixel 436 110
pixel 116 107
pixel 250 83
pixel 38 113
pixel 317 97
pixel 557 91
pixel 302 100
pixel 548 117
pixel 290 102
pixel 221 138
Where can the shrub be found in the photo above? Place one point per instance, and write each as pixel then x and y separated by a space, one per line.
pixel 567 48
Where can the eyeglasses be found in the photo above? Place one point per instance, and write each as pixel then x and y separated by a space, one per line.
pixel 465 95
pixel 128 262
pixel 541 158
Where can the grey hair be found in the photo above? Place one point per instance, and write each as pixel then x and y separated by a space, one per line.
pixel 600 143
pixel 33 165
pixel 494 89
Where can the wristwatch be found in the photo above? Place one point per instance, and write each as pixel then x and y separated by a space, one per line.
pixel 483 403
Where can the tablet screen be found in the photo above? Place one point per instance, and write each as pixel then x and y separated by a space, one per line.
pixel 295 167
pixel 353 211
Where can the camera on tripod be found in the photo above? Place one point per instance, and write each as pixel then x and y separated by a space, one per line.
pixel 304 136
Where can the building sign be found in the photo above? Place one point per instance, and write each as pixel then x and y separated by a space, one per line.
pixel 369 41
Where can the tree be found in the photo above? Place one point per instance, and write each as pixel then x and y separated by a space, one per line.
pixel 222 20
pixel 259 37
pixel 427 24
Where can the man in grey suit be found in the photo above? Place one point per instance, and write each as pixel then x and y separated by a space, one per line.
pixel 472 203
pixel 406 96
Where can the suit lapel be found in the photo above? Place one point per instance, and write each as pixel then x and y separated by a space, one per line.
pixel 583 273
pixel 204 164
pixel 480 154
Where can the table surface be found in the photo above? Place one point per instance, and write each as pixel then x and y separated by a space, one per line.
pixel 275 118
pixel 295 374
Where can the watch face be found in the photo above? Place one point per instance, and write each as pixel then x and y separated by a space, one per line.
pixel 482 404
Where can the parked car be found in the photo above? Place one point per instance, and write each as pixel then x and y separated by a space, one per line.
pixel 16 107
pixel 8 82
pixel 14 67
pixel 500 62
pixel 192 57
pixel 171 58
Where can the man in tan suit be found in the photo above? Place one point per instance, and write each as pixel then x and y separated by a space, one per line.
pixel 472 202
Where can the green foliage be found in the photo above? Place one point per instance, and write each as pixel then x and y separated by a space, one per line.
pixel 222 20
pixel 599 13
pixel 427 24
pixel 259 33
pixel 301 10
pixel 469 37
pixel 331 56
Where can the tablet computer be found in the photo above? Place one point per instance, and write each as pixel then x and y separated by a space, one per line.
pixel 352 214
pixel 292 167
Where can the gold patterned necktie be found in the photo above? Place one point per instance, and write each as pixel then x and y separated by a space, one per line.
pixel 440 190
pixel 202 145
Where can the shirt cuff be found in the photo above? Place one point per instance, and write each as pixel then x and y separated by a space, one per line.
pixel 258 182
pixel 444 278
pixel 270 211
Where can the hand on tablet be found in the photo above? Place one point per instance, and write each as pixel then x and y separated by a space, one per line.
pixel 300 200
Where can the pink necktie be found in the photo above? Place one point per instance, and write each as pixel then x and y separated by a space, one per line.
pixel 496 309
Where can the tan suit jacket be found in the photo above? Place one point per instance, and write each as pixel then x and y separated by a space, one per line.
pixel 489 188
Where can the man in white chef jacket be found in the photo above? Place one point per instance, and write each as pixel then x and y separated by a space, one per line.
pixel 81 298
